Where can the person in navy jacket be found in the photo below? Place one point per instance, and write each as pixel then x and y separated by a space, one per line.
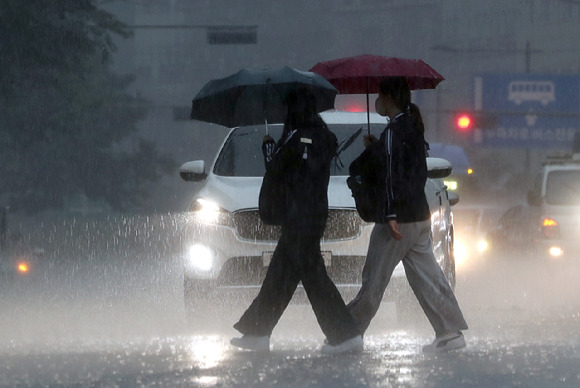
pixel 402 230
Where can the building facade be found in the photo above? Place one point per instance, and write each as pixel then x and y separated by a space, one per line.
pixel 179 45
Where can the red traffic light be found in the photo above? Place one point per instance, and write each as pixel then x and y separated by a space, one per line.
pixel 464 122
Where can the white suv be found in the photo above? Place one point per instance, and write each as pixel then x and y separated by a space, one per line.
pixel 229 248
pixel 555 203
pixel 548 226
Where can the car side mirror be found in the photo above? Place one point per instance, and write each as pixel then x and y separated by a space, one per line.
pixel 193 171
pixel 534 199
pixel 438 168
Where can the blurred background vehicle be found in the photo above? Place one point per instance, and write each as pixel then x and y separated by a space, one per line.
pixel 471 223
pixel 548 225
pixel 461 180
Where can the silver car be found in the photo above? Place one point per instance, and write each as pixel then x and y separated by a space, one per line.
pixel 228 248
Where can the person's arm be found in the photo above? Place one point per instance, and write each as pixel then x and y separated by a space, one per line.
pixel 393 160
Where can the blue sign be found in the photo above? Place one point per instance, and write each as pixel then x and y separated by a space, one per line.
pixel 532 110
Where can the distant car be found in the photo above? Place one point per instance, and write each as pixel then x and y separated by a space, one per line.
pixel 471 223
pixel 549 224
pixel 229 248
pixel 462 180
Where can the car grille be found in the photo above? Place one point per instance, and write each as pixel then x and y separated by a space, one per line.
pixel 342 224
pixel 250 271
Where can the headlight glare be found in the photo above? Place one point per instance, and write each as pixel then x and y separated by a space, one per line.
pixel 209 212
pixel 200 257
pixel 460 251
pixel 556 251
pixel 482 246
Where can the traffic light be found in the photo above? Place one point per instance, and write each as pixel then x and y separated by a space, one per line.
pixel 466 121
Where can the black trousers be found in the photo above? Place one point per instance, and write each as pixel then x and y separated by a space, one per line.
pixel 297 258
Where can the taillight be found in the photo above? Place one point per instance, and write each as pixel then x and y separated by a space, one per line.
pixel 550 228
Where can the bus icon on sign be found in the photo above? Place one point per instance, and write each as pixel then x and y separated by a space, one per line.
pixel 541 91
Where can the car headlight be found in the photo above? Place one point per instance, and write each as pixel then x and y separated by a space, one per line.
pixel 451 184
pixel 209 212
pixel 556 251
pixel 200 258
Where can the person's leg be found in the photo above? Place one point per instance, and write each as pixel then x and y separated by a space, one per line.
pixel 382 257
pixel 331 312
pixel 430 285
pixel 276 292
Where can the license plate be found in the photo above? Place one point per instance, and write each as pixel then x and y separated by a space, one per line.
pixel 267 257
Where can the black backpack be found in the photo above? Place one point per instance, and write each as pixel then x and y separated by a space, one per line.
pixel 367 183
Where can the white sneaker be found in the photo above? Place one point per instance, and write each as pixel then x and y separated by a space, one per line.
pixel 353 345
pixel 446 343
pixel 252 342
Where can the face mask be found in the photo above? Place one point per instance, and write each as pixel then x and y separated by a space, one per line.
pixel 379 107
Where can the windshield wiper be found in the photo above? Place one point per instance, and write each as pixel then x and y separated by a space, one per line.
pixel 343 145
pixel 348 141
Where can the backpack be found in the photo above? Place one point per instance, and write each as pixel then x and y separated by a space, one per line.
pixel 367 184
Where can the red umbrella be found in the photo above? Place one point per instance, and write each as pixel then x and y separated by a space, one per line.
pixel 363 74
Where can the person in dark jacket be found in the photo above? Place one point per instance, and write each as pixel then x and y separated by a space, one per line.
pixel 402 232
pixel 302 159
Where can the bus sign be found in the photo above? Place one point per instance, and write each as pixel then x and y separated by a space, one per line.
pixel 532 110
pixel 523 91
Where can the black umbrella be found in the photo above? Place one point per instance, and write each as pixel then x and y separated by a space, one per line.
pixel 257 96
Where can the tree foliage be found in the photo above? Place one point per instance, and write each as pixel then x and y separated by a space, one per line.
pixel 67 123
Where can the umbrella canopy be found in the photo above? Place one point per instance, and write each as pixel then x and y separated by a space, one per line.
pixel 257 96
pixel 364 73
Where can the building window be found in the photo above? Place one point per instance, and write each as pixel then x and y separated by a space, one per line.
pixel 232 35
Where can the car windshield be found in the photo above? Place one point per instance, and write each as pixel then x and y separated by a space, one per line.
pixel 563 188
pixel 241 155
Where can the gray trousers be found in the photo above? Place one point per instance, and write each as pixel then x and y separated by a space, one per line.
pixel 425 277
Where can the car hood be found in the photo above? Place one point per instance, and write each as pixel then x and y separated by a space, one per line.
pixel 239 193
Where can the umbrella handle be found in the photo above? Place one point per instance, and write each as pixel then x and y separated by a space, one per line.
pixel 265 100
pixel 368 113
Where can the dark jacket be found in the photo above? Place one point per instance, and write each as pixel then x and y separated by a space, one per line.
pixel 400 155
pixel 301 161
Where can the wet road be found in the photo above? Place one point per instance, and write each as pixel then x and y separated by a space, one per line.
pixel 113 321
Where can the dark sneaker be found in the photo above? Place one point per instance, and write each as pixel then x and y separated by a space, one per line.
pixel 252 342
pixel 353 345
pixel 445 343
